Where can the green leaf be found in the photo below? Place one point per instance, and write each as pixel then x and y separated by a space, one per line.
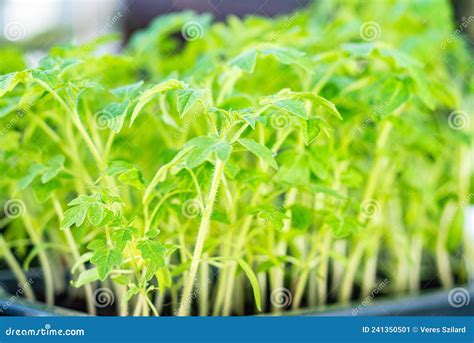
pixel 44 191
pixel 164 279
pixel 121 237
pixel 259 150
pixel 50 77
pixel 127 91
pixel 253 281
pixel 105 260
pixel 149 94
pixel 223 150
pixel 35 170
pixel 198 156
pixel 81 260
pixel 301 217
pixel 118 167
pixel 9 81
pixel 321 189
pixel 133 177
pixel 154 252
pixel 311 130
pixel 246 61
pixel 115 114
pixel 54 166
pixel 74 216
pixel 86 277
pixel 96 213
pixel 187 98
pixel 294 107
pixel 121 280
pixel 328 105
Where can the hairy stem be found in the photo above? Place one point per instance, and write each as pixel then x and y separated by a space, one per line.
pixel 202 233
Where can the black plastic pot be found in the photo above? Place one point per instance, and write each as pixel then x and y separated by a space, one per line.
pixel 430 303
pixel 13 305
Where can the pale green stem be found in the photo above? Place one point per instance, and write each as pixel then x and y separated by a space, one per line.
pixel 202 233
pixel 76 255
pixel 47 273
pixel 16 268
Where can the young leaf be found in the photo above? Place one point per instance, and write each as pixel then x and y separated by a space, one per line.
pixel 294 107
pixel 246 61
pixel 154 252
pixel 311 131
pixel 10 81
pixel 106 260
pixel 253 281
pixel 74 216
pixel 87 276
pixel 149 94
pixel 259 150
pixel 133 177
pixel 187 98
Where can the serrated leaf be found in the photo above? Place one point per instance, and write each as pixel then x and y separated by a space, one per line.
pixel 127 91
pixel 149 94
pixel 118 167
pixel 259 150
pixel 246 61
pixel 133 177
pixel 154 252
pixel 114 115
pixel 198 156
pixel 9 81
pixel 105 260
pixel 74 216
pixel 96 213
pixel 35 170
pixel 328 105
pixel 50 77
pixel 187 98
pixel 44 191
pixel 121 237
pixel 294 107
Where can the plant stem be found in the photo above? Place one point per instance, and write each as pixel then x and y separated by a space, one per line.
pixel 16 268
pixel 202 233
pixel 37 241
pixel 76 255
